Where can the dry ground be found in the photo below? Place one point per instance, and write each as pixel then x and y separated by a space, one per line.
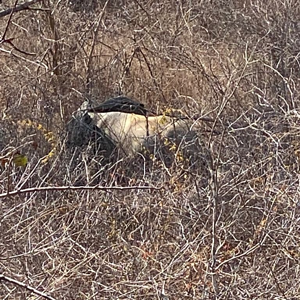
pixel 228 228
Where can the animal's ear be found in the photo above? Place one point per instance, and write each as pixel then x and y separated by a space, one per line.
pixel 79 117
pixel 85 105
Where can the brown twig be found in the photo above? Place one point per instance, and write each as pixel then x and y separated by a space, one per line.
pixel 8 22
pixel 9 41
pixel 20 7
pixel 139 50
pixel 11 11
pixel 95 32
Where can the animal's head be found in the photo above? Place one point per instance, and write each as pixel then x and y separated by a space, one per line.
pixel 82 130
pixel 79 129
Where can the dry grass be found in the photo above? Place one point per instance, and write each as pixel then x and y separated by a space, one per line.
pixel 226 229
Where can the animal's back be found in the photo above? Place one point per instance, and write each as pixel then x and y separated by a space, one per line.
pixel 133 133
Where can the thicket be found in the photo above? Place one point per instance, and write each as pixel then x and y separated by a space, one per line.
pixel 227 230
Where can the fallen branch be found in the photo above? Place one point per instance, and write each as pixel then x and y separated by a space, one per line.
pixel 75 188
pixel 26 286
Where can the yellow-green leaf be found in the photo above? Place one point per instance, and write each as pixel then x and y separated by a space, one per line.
pixel 20 160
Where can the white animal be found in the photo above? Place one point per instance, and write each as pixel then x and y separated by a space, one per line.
pixel 134 133
pixel 127 126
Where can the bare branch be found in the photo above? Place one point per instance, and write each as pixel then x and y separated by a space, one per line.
pixel 9 41
pixel 17 8
pixel 76 188
pixel 11 12
pixel 8 22
pixel 95 32
pixel 26 286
